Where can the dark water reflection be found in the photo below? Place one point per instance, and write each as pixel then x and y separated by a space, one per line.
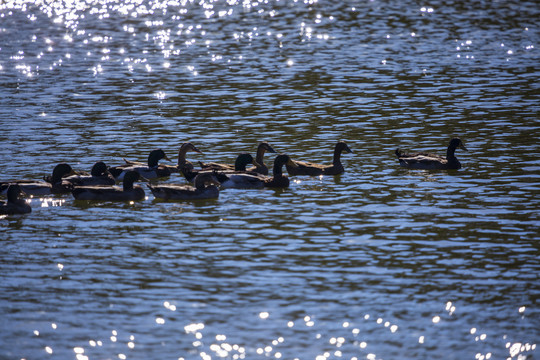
pixel 378 263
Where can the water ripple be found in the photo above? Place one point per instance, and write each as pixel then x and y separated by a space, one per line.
pixel 380 262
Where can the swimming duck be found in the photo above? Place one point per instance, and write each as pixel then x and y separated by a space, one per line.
pixel 428 161
pixel 14 205
pixel 112 193
pixel 250 181
pixel 313 169
pixel 278 179
pixel 99 175
pixel 54 184
pixel 183 164
pixel 260 167
pixel 242 160
pixel 205 188
pixel 152 170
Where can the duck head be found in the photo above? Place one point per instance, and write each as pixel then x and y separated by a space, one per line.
pixel 456 143
pixel 342 146
pixel 129 178
pixel 265 146
pixel 99 169
pixel 13 193
pixel 280 160
pixel 155 156
pixel 204 179
pixel 59 172
pixel 242 161
pixel 187 146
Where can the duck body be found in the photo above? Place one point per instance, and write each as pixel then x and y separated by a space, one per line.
pixel 55 184
pixel 38 188
pixel 108 193
pixel 99 175
pixel 152 170
pixel 240 165
pixel 258 166
pixel 277 182
pixel 205 188
pixel 314 169
pixel 240 181
pixel 251 181
pixel 145 171
pixel 210 166
pixel 14 205
pixel 128 192
pixel 427 161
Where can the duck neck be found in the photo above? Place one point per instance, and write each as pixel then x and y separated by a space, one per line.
pixel 56 177
pixel 128 184
pixel 152 161
pixel 182 155
pixel 12 196
pixel 260 154
pixel 278 169
pixel 337 156
pixel 239 165
pixel 450 152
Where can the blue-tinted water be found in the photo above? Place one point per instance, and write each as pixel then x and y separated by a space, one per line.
pixel 378 263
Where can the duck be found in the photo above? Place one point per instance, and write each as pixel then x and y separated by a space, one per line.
pixel 258 167
pixel 99 175
pixel 279 180
pixel 112 193
pixel 184 164
pixel 251 181
pixel 54 184
pixel 151 170
pixel 206 187
pixel 427 161
pixel 314 169
pixel 242 160
pixel 14 205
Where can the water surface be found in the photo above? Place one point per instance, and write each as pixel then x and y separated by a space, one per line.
pixel 378 263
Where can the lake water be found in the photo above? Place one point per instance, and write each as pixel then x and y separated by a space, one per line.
pixel 378 263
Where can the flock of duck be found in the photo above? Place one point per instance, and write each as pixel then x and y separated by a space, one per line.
pixel 100 183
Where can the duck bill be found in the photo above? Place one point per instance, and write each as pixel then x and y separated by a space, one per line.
pixel 291 163
pixel 347 149
pixel 270 149
pixel 462 147
pixel 166 158
pixel 196 150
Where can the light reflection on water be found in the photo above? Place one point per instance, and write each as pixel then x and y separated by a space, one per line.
pixel 378 263
pixel 349 339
